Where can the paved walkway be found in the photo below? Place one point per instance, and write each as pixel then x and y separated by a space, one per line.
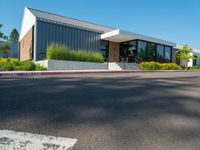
pixel 71 72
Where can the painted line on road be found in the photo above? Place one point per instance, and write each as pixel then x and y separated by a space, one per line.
pixel 11 140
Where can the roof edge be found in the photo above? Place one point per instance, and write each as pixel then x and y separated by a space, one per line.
pixel 25 26
pixel 111 28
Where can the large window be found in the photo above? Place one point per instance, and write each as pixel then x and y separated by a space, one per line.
pixel 132 50
pixel 142 46
pixel 160 53
pixel 168 54
pixel 146 51
pixel 124 49
pixel 132 46
pixel 151 52
pixel 129 50
pixel 104 49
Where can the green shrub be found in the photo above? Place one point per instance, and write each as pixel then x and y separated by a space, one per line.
pixel 60 52
pixel 27 66
pixel 170 66
pixel 195 68
pixel 150 66
pixel 159 66
pixel 39 68
pixel 6 66
pixel 57 52
pixel 9 64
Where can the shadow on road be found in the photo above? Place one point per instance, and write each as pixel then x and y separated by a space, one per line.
pixel 119 112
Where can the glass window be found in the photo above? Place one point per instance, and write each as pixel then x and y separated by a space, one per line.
pixel 124 49
pixel 160 53
pixel 195 60
pixel 132 50
pixel 168 54
pixel 132 46
pixel 142 46
pixel 104 49
pixel 151 51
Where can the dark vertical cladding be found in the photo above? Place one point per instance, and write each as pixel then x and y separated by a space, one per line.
pixel 72 37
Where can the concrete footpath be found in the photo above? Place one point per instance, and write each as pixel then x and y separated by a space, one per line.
pixel 68 72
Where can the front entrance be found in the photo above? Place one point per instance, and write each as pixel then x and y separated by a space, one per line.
pixel 131 56
pixel 128 51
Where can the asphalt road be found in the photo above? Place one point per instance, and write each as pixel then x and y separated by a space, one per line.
pixel 138 111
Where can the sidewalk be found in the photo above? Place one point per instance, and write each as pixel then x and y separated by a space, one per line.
pixel 68 72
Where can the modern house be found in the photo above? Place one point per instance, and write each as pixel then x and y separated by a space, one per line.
pixel 39 29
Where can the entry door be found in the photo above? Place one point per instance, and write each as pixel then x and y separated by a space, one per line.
pixel 132 51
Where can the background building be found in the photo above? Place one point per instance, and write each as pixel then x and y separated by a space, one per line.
pixel 13 52
pixel 195 53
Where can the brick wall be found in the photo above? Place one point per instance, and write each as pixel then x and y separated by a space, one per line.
pixel 26 48
pixel 114 51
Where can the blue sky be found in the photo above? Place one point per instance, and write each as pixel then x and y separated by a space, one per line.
pixel 174 20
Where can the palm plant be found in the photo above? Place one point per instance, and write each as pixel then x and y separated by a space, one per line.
pixel 184 55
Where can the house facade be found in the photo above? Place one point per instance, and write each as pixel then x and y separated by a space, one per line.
pixel 40 29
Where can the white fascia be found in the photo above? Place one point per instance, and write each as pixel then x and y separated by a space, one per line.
pixel 123 36
pixel 27 23
pixel 148 38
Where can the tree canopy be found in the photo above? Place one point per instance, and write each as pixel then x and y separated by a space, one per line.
pixel 184 54
pixel 14 36
pixel 1 34
pixel 4 48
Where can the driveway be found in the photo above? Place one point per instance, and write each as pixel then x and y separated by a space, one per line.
pixel 141 111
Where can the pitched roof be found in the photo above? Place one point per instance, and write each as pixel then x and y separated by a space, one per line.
pixel 68 21
pixel 31 15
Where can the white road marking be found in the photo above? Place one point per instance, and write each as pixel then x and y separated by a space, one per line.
pixel 11 140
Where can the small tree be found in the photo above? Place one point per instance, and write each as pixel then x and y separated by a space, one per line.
pixel 184 55
pixel 14 36
pixel 1 34
pixel 4 48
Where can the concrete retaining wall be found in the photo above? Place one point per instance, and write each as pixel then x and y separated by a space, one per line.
pixel 71 65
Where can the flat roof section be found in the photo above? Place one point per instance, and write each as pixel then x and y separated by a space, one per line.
pixel 123 36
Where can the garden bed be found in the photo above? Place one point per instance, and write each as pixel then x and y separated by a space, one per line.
pixel 12 64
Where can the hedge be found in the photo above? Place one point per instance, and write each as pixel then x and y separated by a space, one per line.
pixel 159 66
pixel 195 68
pixel 60 52
pixel 9 64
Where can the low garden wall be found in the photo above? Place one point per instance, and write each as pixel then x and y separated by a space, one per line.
pixel 71 65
